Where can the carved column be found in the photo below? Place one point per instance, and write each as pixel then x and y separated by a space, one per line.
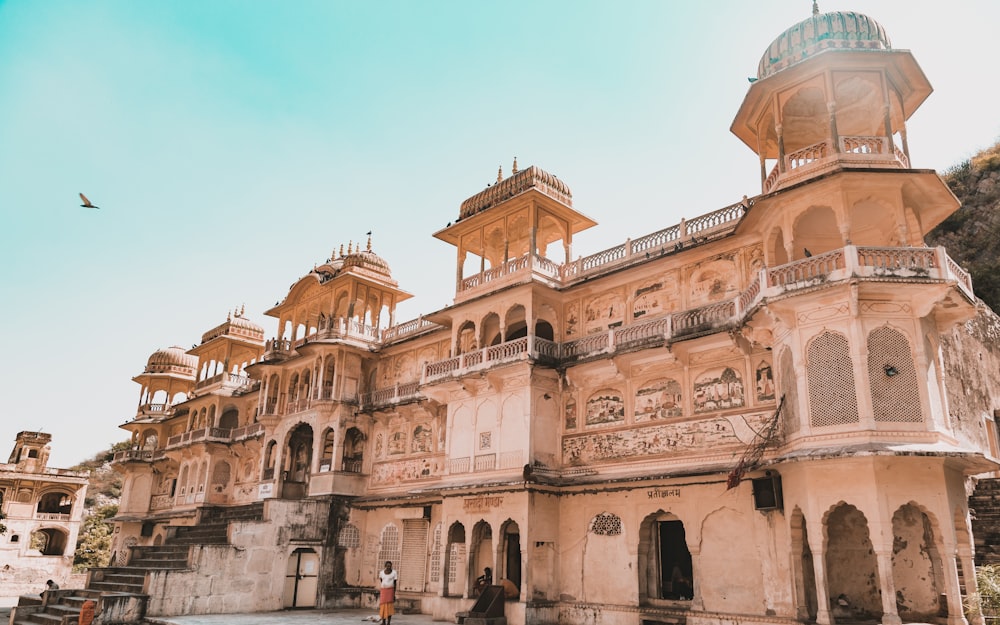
pixel 831 108
pixel 823 616
pixel 887 585
pixel 953 592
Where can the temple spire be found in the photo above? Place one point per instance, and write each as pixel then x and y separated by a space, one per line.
pixel 815 7
pixel 514 169
pixel 499 173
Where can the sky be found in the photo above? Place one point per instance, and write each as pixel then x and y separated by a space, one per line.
pixel 233 145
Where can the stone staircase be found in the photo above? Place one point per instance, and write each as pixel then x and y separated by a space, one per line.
pixel 126 584
pixel 985 502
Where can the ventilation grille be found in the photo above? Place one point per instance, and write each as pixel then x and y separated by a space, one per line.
pixel 606 524
pixel 895 397
pixel 349 537
pixel 832 396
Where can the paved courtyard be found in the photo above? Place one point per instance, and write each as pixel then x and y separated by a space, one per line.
pixel 293 617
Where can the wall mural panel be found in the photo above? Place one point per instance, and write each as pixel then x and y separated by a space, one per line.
pixel 570 414
pixel 658 399
pixel 397 443
pixel 605 406
pixel 654 297
pixel 713 281
pixel 674 438
pixel 718 389
pixel 572 318
pixel 387 473
pixel 422 438
pixel 765 382
pixel 603 312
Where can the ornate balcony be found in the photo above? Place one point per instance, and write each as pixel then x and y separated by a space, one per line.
pixel 854 151
pixel 216 435
pixel 391 395
pixel 851 262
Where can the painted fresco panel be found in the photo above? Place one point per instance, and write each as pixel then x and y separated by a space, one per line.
pixel 658 399
pixel 605 406
pixel 718 389
pixel 672 438
pixel 765 382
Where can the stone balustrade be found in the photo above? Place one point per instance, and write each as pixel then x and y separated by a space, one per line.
pixel 856 149
pixel 877 263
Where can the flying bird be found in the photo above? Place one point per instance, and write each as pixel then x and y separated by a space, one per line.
pixel 86 202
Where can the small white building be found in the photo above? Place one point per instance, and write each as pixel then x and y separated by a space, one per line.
pixel 43 509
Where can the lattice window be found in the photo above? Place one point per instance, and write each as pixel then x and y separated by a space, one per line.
pixel 892 377
pixel 389 546
pixel 789 388
pixel 606 524
pixel 349 537
pixel 220 474
pixel 833 398
pixel 436 556
pixel 456 564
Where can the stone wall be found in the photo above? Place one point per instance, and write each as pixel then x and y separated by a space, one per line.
pixel 971 353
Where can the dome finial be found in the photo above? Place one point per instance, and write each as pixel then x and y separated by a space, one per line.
pixel 229 315
pixel 350 244
pixel 341 250
pixel 369 241
pixel 815 7
pixel 514 169
pixel 499 173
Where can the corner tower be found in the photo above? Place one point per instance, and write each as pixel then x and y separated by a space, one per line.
pixel 508 227
pixel 830 92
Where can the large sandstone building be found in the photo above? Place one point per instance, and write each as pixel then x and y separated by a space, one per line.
pixel 747 416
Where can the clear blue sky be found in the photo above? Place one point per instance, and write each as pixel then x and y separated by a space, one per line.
pixel 232 145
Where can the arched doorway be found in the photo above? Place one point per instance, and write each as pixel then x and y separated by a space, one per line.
pixel 301 578
pixel 666 570
pixel 916 565
pixel 803 569
pixel 454 579
pixel 482 550
pixel 511 552
pixel 298 458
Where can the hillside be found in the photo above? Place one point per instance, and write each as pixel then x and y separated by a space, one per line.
pixel 93 547
pixel 972 234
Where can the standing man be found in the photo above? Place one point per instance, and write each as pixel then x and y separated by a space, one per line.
pixel 387 579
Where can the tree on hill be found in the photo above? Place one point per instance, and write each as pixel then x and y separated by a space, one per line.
pixel 972 233
pixel 93 545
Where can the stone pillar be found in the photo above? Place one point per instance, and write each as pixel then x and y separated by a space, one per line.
pixel 831 108
pixel 697 601
pixel 781 148
pixel 887 585
pixel 966 560
pixel 823 616
pixel 956 612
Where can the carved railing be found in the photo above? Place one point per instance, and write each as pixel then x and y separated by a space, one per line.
pixel 806 155
pixel 391 394
pixel 587 345
pixel 710 221
pixel 351 465
pixel 703 318
pixel 864 145
pixel 651 329
pixel 458 465
pixel 806 269
pixel 485 462
pixel 251 430
pixel 512 459
pixel 134 455
pixel 407 328
pixel 895 258
pixel 51 516
pixel 267 474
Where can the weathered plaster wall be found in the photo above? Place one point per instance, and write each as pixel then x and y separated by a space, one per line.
pixel 971 354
